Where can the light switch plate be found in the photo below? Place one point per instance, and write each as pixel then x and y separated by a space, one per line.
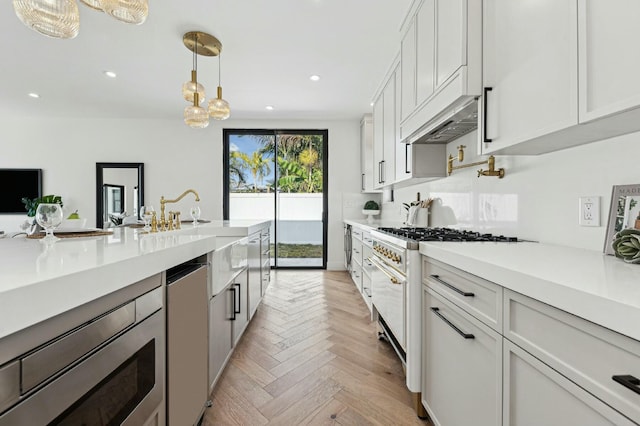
pixel 589 211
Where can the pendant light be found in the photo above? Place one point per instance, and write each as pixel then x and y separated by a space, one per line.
pixel 93 4
pixel 129 11
pixel 194 115
pixel 53 18
pixel 218 107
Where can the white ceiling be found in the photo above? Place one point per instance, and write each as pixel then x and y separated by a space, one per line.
pixel 270 49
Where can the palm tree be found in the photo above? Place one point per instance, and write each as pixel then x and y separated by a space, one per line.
pixel 236 170
pixel 257 165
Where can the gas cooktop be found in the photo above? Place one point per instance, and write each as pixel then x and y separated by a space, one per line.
pixel 444 234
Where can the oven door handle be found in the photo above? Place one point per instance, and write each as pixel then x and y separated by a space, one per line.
pixel 383 269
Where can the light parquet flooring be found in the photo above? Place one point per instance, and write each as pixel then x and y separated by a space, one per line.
pixel 311 356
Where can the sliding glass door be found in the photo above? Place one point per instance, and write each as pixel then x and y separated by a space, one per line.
pixel 280 175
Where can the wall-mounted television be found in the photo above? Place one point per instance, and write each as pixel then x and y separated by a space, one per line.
pixel 15 184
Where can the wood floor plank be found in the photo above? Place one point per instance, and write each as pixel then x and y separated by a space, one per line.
pixel 283 383
pixel 311 356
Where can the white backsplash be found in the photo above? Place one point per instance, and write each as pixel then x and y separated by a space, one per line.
pixel 538 197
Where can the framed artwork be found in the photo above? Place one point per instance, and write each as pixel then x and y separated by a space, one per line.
pixel 624 212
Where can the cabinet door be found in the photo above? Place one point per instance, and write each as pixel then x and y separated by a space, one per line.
pixel 451 38
pixel 389 131
pixel 535 394
pixel 366 153
pixel 240 315
pixel 220 308
pixel 609 60
pixel 378 140
pixel 254 278
pixel 462 376
pixel 425 51
pixel 530 64
pixel 408 71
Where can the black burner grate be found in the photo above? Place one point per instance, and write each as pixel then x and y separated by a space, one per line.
pixel 444 234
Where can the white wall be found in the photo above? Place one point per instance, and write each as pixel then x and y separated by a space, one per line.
pixel 175 158
pixel 538 197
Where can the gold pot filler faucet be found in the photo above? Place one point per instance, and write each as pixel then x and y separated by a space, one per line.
pixel 168 225
pixel 491 162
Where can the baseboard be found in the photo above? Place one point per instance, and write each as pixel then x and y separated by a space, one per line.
pixel 335 266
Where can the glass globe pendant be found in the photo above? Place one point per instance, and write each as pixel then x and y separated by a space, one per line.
pixel 129 11
pixel 219 108
pixel 53 18
pixel 191 87
pixel 93 4
pixel 195 116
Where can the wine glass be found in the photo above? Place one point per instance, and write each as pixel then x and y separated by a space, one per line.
pixel 195 214
pixel 49 216
pixel 146 213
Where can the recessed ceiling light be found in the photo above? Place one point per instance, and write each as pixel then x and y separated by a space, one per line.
pixel 371 104
pixel 315 77
pixel 34 95
pixel 269 107
pixel 110 74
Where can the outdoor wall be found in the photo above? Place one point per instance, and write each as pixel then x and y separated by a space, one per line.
pixel 299 218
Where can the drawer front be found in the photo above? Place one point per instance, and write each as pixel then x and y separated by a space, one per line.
pixel 535 394
pixel 356 233
pixel 461 365
pixel 356 251
pixel 480 298
pixel 587 354
pixel 366 239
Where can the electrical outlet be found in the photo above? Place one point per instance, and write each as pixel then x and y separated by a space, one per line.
pixel 589 211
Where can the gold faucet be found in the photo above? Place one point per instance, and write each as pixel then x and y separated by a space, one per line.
pixel 491 162
pixel 163 221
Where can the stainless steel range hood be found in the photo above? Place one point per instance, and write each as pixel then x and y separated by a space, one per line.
pixel 457 121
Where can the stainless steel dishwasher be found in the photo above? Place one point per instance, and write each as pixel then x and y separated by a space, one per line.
pixel 187 343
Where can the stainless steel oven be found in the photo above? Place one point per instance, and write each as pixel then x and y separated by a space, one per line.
pixel 108 370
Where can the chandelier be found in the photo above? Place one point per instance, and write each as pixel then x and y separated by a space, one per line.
pixel 61 18
pixel 195 116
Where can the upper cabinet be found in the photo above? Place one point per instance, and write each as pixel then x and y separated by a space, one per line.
pixel 366 153
pixel 609 60
pixel 558 74
pixel 385 132
pixel 441 57
pixel 529 70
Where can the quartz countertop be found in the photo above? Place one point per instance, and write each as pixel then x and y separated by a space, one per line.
pixel 39 280
pixel 586 283
pixel 363 223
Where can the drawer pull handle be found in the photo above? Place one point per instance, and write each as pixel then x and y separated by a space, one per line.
pixel 629 381
pixel 450 324
pixel 457 290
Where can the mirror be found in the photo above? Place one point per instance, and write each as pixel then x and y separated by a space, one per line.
pixel 119 193
pixel 624 212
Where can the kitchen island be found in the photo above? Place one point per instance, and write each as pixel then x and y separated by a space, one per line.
pixel 39 281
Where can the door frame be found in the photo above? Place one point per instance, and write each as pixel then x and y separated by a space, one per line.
pixel 325 183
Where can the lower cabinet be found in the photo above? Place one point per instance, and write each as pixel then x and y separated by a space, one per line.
pixel 240 311
pixel 535 394
pixel 462 366
pixel 254 271
pixel 220 340
pixel 539 366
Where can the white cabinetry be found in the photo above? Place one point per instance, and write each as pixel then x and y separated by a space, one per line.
pixel 441 57
pixel 608 45
pixel 529 71
pixel 552 367
pixel 366 153
pixel 462 366
pixel 384 132
pixel 360 266
pixel 558 74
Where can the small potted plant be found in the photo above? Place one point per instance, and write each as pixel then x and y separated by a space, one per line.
pixel 371 208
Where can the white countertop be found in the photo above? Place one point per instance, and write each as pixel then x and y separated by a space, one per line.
pixel 39 281
pixel 586 283
pixel 364 224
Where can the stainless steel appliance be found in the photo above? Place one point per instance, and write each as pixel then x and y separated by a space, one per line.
pixel 347 246
pixel 102 363
pixel 397 295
